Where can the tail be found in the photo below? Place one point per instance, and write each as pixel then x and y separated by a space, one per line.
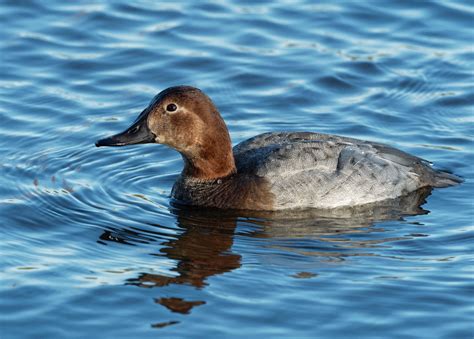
pixel 445 179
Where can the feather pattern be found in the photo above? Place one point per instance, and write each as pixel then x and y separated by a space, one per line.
pixel 316 170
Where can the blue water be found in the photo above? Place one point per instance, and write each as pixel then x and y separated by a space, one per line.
pixel 90 246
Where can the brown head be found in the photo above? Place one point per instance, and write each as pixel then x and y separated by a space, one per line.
pixel 185 119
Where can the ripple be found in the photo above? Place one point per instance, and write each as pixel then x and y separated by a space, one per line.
pixel 335 84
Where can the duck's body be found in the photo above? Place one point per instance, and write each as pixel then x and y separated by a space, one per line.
pixel 281 170
pixel 273 171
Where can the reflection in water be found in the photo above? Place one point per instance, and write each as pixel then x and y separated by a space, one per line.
pixel 164 324
pixel 204 249
pixel 178 305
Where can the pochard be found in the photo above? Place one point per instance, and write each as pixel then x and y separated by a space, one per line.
pixel 272 171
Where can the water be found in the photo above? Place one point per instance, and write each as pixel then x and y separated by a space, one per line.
pixel 90 245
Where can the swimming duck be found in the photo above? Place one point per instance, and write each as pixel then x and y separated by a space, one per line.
pixel 271 171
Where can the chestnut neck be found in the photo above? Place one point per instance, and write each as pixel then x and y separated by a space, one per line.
pixel 212 160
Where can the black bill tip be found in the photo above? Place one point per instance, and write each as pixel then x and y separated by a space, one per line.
pixel 109 142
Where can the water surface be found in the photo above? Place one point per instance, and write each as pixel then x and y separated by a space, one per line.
pixel 90 244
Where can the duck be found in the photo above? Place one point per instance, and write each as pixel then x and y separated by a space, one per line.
pixel 272 171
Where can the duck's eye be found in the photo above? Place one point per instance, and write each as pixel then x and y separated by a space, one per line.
pixel 171 108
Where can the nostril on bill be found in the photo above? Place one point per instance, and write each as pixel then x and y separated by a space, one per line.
pixel 134 130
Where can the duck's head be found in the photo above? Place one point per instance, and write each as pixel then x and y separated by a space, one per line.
pixel 185 119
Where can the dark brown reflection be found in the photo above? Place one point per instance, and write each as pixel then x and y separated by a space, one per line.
pixel 204 248
pixel 201 251
pixel 178 305
pixel 164 324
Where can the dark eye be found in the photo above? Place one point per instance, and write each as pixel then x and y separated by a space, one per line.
pixel 171 108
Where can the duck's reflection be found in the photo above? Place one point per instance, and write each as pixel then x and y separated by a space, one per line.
pixel 201 251
pixel 204 248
